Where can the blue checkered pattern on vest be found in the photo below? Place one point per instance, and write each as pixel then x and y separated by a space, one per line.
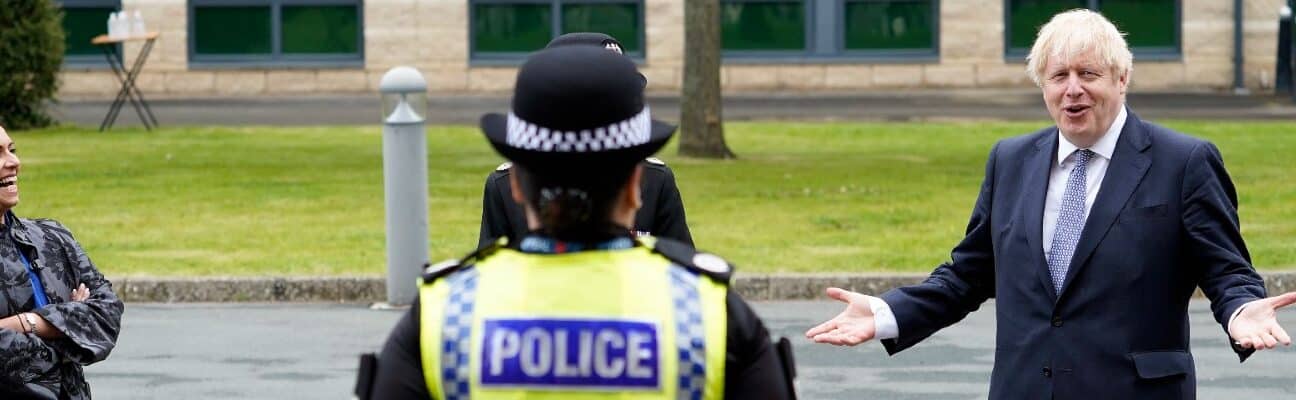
pixel 455 335
pixel 690 333
pixel 1070 222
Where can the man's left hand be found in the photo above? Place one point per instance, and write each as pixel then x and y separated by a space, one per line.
pixel 1256 326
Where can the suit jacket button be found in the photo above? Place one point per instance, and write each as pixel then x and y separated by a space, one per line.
pixel 1057 322
pixel 1048 372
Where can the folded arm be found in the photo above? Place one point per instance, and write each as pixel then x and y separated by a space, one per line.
pixel 24 357
pixel 89 327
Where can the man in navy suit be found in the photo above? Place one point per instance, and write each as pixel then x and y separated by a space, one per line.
pixel 1092 235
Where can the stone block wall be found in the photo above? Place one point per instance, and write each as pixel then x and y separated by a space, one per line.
pixel 431 35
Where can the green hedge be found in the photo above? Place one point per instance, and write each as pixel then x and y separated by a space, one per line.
pixel 31 53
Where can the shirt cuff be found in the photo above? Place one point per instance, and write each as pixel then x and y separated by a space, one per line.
pixel 1231 318
pixel 884 322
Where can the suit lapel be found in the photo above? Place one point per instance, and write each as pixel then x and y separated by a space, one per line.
pixel 1126 171
pixel 1037 170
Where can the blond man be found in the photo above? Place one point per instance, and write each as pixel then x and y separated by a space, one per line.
pixel 1092 236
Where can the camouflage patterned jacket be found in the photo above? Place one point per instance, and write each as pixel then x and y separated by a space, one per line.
pixel 31 367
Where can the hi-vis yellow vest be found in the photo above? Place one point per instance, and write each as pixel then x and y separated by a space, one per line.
pixel 611 324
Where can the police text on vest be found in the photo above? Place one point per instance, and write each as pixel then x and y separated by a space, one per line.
pixel 569 353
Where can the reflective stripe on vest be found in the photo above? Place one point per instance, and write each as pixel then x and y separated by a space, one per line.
pixel 624 324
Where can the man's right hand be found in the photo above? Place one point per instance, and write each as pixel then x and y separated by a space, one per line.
pixel 853 326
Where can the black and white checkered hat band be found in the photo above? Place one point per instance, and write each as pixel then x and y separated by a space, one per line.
pixel 629 133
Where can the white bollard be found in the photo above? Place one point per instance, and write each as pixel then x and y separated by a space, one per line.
pixel 405 190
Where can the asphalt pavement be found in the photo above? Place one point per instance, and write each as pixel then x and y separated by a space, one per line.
pixel 894 105
pixel 309 351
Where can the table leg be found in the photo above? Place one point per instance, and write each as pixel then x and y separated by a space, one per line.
pixel 129 91
pixel 137 97
pixel 114 61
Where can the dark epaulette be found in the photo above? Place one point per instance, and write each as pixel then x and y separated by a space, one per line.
pixel 686 256
pixel 432 272
pixel 654 163
pixel 500 172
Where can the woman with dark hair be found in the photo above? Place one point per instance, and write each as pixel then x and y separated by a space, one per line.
pixel 579 308
pixel 57 312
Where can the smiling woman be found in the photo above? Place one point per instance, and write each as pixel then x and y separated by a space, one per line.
pixel 59 311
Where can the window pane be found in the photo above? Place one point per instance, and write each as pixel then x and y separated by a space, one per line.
pixel 1027 16
pixel 621 21
pixel 1148 23
pixel 231 30
pixel 320 29
pixel 762 25
pixel 511 27
pixel 82 24
pixel 889 25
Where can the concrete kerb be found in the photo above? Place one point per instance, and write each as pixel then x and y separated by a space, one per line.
pixel 186 290
pixel 373 288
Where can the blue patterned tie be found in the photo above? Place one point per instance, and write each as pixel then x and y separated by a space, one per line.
pixel 1070 222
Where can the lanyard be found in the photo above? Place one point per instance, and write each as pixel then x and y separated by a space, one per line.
pixel 38 289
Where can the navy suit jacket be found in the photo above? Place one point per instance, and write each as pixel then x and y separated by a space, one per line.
pixel 1164 223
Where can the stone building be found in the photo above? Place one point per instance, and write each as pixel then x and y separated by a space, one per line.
pixel 277 47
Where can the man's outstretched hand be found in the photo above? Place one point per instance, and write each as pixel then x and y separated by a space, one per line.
pixel 853 326
pixel 1256 327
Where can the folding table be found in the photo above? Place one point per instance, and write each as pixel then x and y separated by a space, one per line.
pixel 128 92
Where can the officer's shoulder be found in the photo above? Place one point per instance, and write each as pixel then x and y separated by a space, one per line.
pixel 690 258
pixel 502 171
pixel 432 272
pixel 654 164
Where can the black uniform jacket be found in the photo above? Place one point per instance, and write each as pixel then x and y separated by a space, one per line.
pixel 753 367
pixel 35 368
pixel 662 214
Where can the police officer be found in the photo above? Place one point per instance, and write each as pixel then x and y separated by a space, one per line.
pixel 579 308
pixel 662 213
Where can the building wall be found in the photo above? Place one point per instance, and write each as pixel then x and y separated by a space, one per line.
pixel 432 35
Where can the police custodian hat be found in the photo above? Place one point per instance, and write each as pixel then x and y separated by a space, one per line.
pixel 587 39
pixel 592 39
pixel 576 109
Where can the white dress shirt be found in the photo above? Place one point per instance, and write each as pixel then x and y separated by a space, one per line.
pixel 1061 171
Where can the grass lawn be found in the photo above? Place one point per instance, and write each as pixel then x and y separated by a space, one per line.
pixel 803 197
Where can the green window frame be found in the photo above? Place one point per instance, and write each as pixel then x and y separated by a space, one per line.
pixel 1153 31
pixel 830 31
pixel 506 31
pixel 274 33
pixel 82 21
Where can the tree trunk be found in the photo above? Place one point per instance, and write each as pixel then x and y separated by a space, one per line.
pixel 701 131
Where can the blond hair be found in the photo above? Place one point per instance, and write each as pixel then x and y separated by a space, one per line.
pixel 1073 33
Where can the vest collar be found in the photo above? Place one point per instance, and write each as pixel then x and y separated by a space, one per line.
pixel 541 244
